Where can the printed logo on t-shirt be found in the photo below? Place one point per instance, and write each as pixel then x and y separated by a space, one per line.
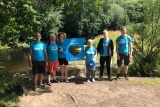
pixel 90 52
pixel 54 48
pixel 39 48
pixel 105 44
pixel 123 41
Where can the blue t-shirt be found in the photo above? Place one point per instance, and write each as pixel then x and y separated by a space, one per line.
pixel 52 51
pixel 90 52
pixel 38 51
pixel 61 54
pixel 123 42
pixel 105 47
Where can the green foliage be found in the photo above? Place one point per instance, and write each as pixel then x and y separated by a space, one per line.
pixel 119 16
pixel 7 98
pixel 146 45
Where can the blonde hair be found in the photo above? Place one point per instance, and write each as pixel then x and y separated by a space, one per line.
pixel 105 31
pixel 52 35
pixel 90 41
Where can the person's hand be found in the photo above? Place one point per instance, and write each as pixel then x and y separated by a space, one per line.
pixel 46 63
pixel 130 56
pixel 30 64
pixel 61 49
pixel 118 57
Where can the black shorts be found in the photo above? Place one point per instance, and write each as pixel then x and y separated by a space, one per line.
pixel 38 67
pixel 124 57
pixel 63 61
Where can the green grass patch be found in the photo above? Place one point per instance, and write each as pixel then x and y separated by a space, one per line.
pixel 155 82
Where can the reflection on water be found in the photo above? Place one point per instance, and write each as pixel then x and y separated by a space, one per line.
pixel 14 60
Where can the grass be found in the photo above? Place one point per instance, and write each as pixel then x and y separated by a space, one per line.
pixel 112 34
pixel 154 82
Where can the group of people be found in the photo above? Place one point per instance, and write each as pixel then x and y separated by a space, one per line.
pixel 51 55
pixel 48 55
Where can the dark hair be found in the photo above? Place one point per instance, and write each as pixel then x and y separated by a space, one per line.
pixel 62 34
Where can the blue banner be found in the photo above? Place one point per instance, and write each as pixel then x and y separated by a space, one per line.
pixel 74 48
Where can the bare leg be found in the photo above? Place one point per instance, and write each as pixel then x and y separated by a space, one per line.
pixel 35 78
pixel 66 72
pixel 118 70
pixel 125 69
pixel 40 78
pixel 62 71
pixel 49 77
pixel 54 75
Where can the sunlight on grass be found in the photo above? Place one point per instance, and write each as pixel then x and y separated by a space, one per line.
pixel 146 81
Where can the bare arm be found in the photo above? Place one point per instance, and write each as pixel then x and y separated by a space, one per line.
pixel 30 58
pixel 46 57
pixel 117 45
pixel 131 50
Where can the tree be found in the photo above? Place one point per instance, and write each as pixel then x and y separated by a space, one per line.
pixel 18 18
pixel 146 45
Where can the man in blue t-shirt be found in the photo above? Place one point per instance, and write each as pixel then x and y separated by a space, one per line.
pixel 37 58
pixel 52 52
pixel 124 51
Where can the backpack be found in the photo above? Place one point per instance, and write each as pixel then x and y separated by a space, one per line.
pixel 18 89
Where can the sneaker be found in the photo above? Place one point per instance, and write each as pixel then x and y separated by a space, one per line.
pixel 88 80
pixel 42 86
pixel 56 81
pixel 49 83
pixel 93 80
pixel 117 78
pixel 100 78
pixel 110 78
pixel 67 81
pixel 126 77
pixel 35 88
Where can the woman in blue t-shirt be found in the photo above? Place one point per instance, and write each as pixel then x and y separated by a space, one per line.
pixel 62 57
pixel 90 53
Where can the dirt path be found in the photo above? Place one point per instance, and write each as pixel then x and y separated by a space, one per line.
pixel 79 93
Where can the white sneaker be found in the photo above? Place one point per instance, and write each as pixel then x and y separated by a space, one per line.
pixel 88 81
pixel 93 80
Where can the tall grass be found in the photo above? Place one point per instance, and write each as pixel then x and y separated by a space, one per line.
pixel 112 34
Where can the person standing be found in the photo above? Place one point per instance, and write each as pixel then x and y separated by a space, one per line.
pixel 105 48
pixel 52 52
pixel 90 53
pixel 124 51
pixel 37 59
pixel 62 57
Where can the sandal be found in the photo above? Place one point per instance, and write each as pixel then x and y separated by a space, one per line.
pixel 55 81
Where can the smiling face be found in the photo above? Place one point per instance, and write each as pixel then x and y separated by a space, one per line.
pixel 38 37
pixel 52 38
pixel 105 34
pixel 61 37
pixel 123 31
pixel 90 42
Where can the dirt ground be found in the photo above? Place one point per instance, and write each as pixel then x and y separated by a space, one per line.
pixel 79 93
